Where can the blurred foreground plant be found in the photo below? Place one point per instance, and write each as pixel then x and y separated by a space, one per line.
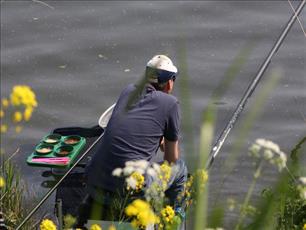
pixel 15 112
pixel 18 109
pixel 263 151
pixel 146 206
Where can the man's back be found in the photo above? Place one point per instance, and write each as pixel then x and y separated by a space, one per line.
pixel 133 134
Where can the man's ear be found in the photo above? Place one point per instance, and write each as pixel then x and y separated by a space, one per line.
pixel 168 88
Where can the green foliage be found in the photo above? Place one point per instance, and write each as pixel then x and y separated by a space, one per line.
pixel 282 206
pixel 12 196
pixel 291 213
pixel 15 111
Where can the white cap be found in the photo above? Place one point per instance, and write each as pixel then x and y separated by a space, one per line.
pixel 162 62
pixel 163 69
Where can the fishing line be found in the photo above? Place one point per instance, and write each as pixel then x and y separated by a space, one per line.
pixel 301 25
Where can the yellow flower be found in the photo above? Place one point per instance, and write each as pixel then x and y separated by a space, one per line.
pixel 142 214
pixel 47 224
pixel 27 113
pixel 23 95
pixel 165 174
pixel 139 179
pixel 112 227
pixel 5 102
pixel 304 228
pixel 2 182
pixel 95 227
pixel 18 129
pixel 167 214
pixel 202 177
pixel 1 113
pixel 17 117
pixel 3 128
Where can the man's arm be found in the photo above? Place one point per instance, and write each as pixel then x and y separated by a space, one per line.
pixel 171 151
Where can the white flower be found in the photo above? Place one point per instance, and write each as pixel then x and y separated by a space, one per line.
pixel 302 180
pixel 302 191
pixel 131 182
pixel 282 160
pixel 254 150
pixel 268 145
pixel 117 172
pixel 272 146
pixel 151 172
pixel 261 142
pixel 130 163
pixel 143 164
pixel 156 167
pixel 128 170
pixel 268 154
pixel 139 170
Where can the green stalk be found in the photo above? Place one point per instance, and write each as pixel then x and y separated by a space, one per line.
pixel 206 137
pixel 123 206
pixel 185 100
pixel 249 194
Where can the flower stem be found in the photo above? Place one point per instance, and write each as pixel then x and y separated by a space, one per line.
pixel 249 194
pixel 121 216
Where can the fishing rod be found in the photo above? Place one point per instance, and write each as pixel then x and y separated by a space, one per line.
pixel 219 143
pixel 103 123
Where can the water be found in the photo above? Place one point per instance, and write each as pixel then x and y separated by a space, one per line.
pixel 77 57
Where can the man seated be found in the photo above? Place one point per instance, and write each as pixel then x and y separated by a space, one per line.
pixel 136 130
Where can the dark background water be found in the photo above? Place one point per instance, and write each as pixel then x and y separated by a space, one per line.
pixel 77 57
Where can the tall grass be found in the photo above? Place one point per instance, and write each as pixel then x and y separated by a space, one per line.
pixel 12 196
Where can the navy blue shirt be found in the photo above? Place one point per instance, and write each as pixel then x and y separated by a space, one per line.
pixel 133 134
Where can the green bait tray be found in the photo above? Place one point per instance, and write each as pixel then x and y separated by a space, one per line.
pixel 54 147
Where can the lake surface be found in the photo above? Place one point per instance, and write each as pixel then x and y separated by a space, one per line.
pixel 78 56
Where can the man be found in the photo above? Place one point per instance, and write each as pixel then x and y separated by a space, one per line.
pixel 136 130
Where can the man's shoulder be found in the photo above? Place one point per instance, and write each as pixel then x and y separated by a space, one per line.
pixel 129 88
pixel 167 98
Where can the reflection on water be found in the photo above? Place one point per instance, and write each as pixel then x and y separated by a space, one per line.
pixel 77 57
